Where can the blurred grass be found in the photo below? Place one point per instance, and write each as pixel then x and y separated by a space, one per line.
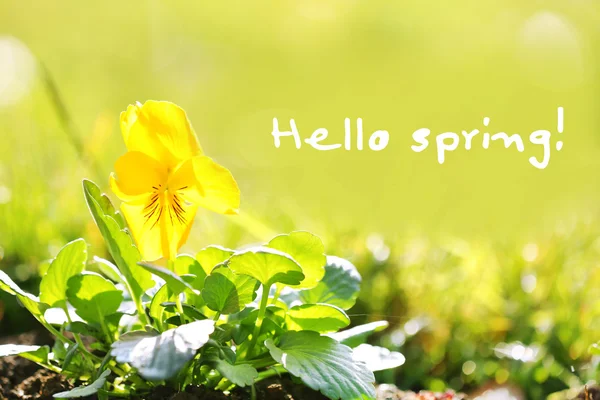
pixel 448 257
pixel 469 313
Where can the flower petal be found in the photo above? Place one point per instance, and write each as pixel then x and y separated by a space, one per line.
pixel 207 184
pixel 162 231
pixel 180 229
pixel 161 130
pixel 137 175
pixel 147 236
pixel 183 180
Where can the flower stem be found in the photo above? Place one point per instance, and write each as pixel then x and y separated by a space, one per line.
pixel 263 362
pixel 224 384
pixel 56 333
pixel 277 293
pixel 110 364
pixel 124 394
pixel 259 319
pixel 213 381
pixel 140 308
pixel 276 370
pixel 180 309
pixel 43 364
pixel 86 354
pixel 109 338
pixel 171 266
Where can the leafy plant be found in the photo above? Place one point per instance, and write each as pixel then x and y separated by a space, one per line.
pixel 222 319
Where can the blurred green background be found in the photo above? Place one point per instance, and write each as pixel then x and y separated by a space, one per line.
pixel 482 253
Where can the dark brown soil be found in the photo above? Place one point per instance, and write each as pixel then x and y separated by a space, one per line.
pixel 191 392
pixel 40 386
pixel 275 389
pixel 25 380
pixel 589 393
pixel 285 389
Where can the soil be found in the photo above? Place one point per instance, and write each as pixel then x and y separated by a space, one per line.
pixel 22 379
pixel 275 389
pixel 589 393
pixel 285 389
pixel 391 392
pixel 25 380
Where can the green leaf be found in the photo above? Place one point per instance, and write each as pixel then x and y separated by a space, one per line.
pixel 83 391
pixel 308 251
pixel 93 297
pixel 59 350
pixel 272 324
pixel 359 334
pixel 222 358
pixel 156 310
pixel 29 301
pixel 188 265
pixel 119 243
pixel 377 358
pixel 173 281
pixel 69 262
pixel 17 349
pixel 227 292
pixel 109 270
pixel 267 265
pixel 159 357
pixel 222 333
pixel 104 203
pixel 33 305
pixel 43 267
pixel 75 361
pixel 188 310
pixel 84 328
pixel 173 320
pixel 113 321
pixel 241 374
pixel 594 349
pixel 40 356
pixel 37 354
pixel 9 286
pixel 323 364
pixel 321 318
pixel 211 256
pixel 339 287
pixel 249 316
pixel 69 356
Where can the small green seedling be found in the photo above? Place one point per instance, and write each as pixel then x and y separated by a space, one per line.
pixel 222 318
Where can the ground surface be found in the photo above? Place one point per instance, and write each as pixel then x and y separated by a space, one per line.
pixel 25 380
pixel 21 379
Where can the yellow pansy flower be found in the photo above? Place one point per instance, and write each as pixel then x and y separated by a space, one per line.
pixel 165 176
